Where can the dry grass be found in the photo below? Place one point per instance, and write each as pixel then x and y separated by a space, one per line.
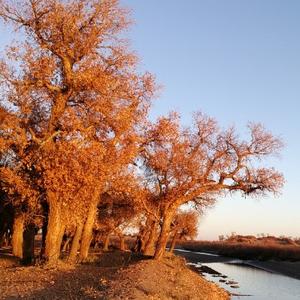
pixel 243 250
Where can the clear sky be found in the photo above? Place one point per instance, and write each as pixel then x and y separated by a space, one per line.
pixel 237 61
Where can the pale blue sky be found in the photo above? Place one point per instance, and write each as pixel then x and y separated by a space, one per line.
pixel 237 61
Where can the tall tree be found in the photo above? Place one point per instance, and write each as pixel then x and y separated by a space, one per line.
pixel 73 87
pixel 200 163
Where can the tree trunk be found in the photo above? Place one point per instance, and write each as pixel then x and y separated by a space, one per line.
pixel 163 236
pixel 96 243
pixel 2 237
pixel 141 240
pixel 150 243
pixel 61 237
pixel 66 244
pixel 44 230
pixel 122 242
pixel 17 237
pixel 75 243
pixel 88 228
pixel 28 244
pixel 53 237
pixel 173 242
pixel 7 239
pixel 106 243
pixel 138 244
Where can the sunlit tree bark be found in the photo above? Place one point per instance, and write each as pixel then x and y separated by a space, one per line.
pixel 76 242
pixel 17 236
pixel 86 237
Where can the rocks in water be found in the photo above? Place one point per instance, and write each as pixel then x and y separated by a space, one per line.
pixel 213 273
pixel 231 282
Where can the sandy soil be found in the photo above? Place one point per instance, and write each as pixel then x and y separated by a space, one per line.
pixel 168 279
pixel 117 275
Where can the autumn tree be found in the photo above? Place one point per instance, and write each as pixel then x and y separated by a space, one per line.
pixel 72 87
pixel 184 226
pixel 18 182
pixel 197 164
pixel 117 209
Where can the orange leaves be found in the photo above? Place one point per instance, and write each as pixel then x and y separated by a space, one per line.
pixel 185 224
pixel 74 58
pixel 184 165
pixel 79 97
pixel 73 124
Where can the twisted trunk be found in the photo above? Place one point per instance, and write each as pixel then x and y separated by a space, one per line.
pixel 164 234
pixel 150 243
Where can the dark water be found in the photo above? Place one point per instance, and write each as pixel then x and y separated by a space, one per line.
pixel 251 283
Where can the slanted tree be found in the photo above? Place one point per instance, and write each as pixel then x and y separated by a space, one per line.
pixel 72 80
pixel 200 163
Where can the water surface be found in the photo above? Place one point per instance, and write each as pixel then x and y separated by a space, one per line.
pixel 252 283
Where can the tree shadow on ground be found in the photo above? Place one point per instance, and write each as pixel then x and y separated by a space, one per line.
pixel 83 281
pixel 7 260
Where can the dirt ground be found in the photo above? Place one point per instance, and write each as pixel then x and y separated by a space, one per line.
pixel 115 275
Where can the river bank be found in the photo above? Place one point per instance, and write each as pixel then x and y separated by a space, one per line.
pixel 287 268
pixel 107 276
pixel 264 249
pixel 256 279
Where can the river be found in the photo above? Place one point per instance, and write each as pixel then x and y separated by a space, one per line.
pixel 241 280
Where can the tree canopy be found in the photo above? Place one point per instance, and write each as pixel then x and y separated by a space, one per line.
pixel 74 133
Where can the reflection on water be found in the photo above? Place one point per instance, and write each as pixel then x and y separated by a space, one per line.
pixel 255 282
